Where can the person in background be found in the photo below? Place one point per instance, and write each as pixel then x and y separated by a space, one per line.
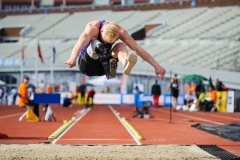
pixel 14 95
pixel 41 87
pixel 156 92
pixel 82 91
pixel 188 99
pixel 108 90
pixel 23 92
pixel 1 95
pixel 24 99
pixel 90 94
pixel 210 101
pixel 67 101
pixel 174 88
pixel 50 89
pixel 136 90
pixel 31 92
pixel 193 88
pixel 201 100
pixel 220 86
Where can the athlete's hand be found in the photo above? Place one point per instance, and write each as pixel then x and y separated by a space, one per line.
pixel 71 62
pixel 160 72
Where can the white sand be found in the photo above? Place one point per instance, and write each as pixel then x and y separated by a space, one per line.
pixel 106 152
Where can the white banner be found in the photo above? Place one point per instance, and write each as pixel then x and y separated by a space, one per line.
pixel 101 98
pixel 128 99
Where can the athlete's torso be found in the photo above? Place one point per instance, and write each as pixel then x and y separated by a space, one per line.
pixel 174 84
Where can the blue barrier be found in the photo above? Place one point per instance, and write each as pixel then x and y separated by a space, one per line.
pixel 142 100
pixel 47 98
pixel 167 100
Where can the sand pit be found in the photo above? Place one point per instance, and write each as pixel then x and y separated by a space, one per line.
pixel 106 152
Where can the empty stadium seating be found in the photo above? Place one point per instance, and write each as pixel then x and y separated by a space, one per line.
pixel 205 38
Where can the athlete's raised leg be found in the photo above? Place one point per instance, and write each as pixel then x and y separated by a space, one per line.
pixel 128 60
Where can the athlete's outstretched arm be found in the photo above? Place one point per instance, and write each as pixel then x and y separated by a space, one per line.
pixel 89 33
pixel 130 42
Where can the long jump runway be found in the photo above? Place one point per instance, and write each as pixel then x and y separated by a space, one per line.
pixel 103 129
pixel 99 126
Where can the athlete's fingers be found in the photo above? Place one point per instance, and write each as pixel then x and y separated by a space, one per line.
pixel 160 76
pixel 67 62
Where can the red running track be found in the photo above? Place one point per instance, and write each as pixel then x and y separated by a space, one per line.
pixel 102 125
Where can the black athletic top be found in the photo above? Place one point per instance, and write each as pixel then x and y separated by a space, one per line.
pixel 174 88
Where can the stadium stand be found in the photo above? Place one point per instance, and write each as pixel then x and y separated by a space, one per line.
pixel 201 37
pixel 73 25
pixel 45 23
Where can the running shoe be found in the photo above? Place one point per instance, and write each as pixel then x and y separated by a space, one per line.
pixel 130 63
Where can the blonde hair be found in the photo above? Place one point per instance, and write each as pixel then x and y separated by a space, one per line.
pixel 112 31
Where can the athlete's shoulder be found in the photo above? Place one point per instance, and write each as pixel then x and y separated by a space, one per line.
pixel 94 23
pixel 92 27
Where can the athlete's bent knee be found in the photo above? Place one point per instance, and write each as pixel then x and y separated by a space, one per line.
pixel 119 47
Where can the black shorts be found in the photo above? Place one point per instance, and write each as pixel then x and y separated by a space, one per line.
pixel 175 93
pixel 91 67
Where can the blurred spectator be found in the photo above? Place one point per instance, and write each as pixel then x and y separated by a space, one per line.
pixel 24 99
pixel 210 101
pixel 188 99
pixel 137 90
pixel 142 105
pixel 188 88
pixel 14 95
pixel 1 95
pixel 193 88
pixel 64 87
pixel 174 87
pixel 156 92
pixel 201 98
pixel 23 92
pixel 67 101
pixel 31 90
pixel 5 97
pixel 82 91
pixel 49 89
pixel 220 86
pixel 57 88
pixel 108 90
pixel 73 96
pixel 41 87
pixel 200 87
pixel 90 94
pixel 200 101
